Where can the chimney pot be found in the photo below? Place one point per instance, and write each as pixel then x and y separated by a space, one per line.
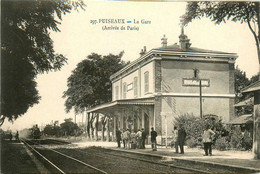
pixel 183 40
pixel 143 51
pixel 164 41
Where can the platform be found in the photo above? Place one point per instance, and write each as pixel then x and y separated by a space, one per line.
pixel 225 159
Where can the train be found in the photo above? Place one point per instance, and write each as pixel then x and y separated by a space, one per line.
pixel 35 132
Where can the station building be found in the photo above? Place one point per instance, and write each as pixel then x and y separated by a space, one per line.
pixel 163 83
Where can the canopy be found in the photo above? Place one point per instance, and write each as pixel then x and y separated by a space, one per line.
pixel 247 102
pixel 253 87
pixel 243 119
pixel 119 104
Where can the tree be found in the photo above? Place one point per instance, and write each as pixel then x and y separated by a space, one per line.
pixel 69 128
pixel 244 12
pixel 241 81
pixel 254 78
pixel 51 130
pixel 89 84
pixel 104 121
pixel 27 50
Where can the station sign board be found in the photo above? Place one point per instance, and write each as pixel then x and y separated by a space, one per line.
pixel 195 82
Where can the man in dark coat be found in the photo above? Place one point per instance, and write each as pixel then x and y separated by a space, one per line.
pixel 153 139
pixel 118 137
pixel 143 138
pixel 181 138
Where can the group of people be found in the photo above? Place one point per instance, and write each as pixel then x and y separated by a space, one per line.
pixel 16 136
pixel 135 140
pixel 179 136
pixel 131 139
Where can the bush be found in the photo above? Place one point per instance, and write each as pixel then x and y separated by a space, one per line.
pixel 191 143
pixel 194 128
pixel 227 136
pixel 221 143
pixel 236 138
pixel 247 141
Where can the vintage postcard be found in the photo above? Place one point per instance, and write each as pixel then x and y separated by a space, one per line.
pixel 129 86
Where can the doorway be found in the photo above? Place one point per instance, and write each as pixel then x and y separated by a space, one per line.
pixel 146 124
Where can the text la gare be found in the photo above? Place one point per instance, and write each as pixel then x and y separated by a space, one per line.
pixel 143 21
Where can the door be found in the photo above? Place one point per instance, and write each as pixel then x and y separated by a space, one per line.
pixel 146 124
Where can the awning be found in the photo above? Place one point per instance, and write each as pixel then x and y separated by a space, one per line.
pixel 247 102
pixel 243 119
pixel 119 104
pixel 253 87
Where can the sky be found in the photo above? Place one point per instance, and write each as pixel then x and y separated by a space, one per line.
pixel 79 37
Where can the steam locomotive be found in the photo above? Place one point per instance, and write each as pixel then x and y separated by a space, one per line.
pixel 35 132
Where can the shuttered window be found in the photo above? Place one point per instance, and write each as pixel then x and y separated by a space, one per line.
pixel 124 90
pixel 135 87
pixel 117 92
pixel 146 82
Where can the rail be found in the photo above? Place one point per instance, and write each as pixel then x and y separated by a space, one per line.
pixel 67 156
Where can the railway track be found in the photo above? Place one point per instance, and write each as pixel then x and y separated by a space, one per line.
pixel 170 167
pixel 108 154
pixel 59 167
pixel 123 159
pixel 101 156
pixel 107 159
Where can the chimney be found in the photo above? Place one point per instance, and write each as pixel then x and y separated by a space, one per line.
pixel 143 51
pixel 184 41
pixel 164 41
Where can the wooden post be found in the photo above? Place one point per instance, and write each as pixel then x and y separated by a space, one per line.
pixel 96 126
pixel 256 132
pixel 115 127
pixel 86 122
pixel 82 118
pixel 200 100
pixel 107 129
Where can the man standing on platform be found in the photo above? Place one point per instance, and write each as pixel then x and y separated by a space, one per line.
pixel 143 138
pixel 175 139
pixel 153 139
pixel 127 138
pixel 139 139
pixel 118 137
pixel 181 138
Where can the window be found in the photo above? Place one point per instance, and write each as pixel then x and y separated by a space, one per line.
pixel 146 82
pixel 124 90
pixel 117 91
pixel 135 87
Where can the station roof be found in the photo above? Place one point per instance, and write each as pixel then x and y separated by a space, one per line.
pixel 253 87
pixel 247 102
pixel 119 104
pixel 243 119
pixel 176 48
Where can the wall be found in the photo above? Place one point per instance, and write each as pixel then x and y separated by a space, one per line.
pixel 219 75
pixel 174 71
pixel 129 79
pixel 172 107
pixel 149 68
